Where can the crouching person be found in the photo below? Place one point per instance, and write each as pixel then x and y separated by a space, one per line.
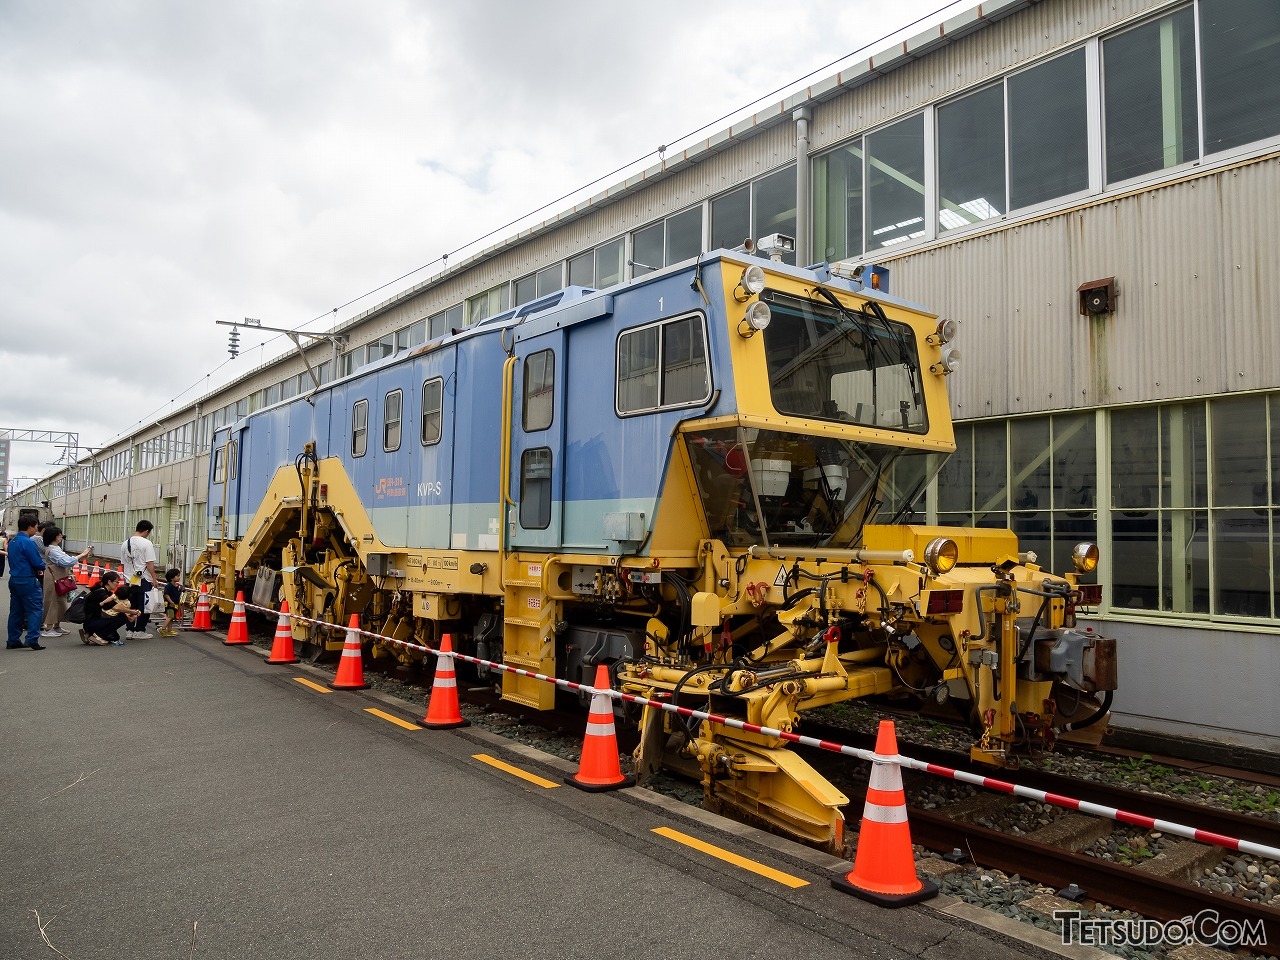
pixel 105 612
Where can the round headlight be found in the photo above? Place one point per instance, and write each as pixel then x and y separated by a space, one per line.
pixel 758 315
pixel 1085 557
pixel 941 554
pixel 752 279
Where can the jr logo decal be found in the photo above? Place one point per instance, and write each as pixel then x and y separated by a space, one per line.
pixel 390 487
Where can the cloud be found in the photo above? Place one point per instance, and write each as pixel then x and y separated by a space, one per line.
pixel 167 165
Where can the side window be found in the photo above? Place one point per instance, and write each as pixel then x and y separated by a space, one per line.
pixel 233 450
pixel 663 365
pixel 391 415
pixel 359 428
pixel 432 411
pixel 219 465
pixel 539 381
pixel 535 488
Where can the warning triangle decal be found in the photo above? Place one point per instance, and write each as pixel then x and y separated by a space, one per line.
pixel 781 579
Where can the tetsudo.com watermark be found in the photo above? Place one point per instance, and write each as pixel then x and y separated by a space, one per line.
pixel 1206 928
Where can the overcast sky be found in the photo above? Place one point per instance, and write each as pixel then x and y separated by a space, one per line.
pixel 165 165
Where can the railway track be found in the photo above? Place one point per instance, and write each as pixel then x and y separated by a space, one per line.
pixel 945 830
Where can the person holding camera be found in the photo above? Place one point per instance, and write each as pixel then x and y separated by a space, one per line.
pixel 59 580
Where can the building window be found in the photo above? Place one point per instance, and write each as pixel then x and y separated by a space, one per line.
pixel 837 203
pixel 765 207
pixel 731 219
pixel 535 488
pixel 539 384
pixel 488 304
pixel 443 323
pixel 971 185
pixel 526 289
pixel 1150 98
pixel 663 365
pixel 1034 475
pixel 412 336
pixel 1240 47
pixel 582 269
pixel 669 241
pixel 391 416
pixel 895 183
pixel 359 428
pixel 609 265
pixel 1048 131
pixel 432 411
pixel 550 279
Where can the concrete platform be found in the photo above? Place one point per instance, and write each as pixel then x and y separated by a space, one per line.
pixel 182 798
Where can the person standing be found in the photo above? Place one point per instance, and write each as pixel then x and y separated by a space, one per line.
pixel 58 566
pixel 26 604
pixel 140 572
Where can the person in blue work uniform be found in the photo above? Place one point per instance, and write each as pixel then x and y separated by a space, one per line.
pixel 26 595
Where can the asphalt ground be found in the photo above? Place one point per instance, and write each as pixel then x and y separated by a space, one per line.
pixel 180 798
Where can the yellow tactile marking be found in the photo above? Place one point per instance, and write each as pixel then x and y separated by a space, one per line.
pixel 314 686
pixel 390 719
pixel 776 875
pixel 514 771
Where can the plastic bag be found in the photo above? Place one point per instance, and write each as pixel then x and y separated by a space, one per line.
pixel 155 602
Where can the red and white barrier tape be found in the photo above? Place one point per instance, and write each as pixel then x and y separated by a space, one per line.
pixel 991 783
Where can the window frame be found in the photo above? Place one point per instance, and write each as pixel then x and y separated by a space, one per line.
pixel 432 384
pixel 360 432
pixel 706 353
pixel 524 477
pixel 387 422
pixel 549 387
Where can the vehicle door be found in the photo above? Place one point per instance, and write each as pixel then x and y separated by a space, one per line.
pixel 538 441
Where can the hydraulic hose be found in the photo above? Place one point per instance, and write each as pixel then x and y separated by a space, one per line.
pixel 1093 718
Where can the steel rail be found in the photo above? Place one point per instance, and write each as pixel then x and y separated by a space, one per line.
pixel 1110 883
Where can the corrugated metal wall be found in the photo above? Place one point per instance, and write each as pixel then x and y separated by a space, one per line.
pixel 1198 305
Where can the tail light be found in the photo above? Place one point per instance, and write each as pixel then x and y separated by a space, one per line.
pixel 1090 594
pixel 945 601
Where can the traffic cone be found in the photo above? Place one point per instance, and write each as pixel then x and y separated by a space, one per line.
pixel 884 869
pixel 95 576
pixel 202 620
pixel 350 667
pixel 238 632
pixel 599 768
pixel 282 648
pixel 443 712
pixel 81 575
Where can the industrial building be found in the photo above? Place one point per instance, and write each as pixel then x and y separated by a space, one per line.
pixel 1089 187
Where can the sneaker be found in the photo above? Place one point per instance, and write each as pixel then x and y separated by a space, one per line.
pixel 84 637
pixel 96 640
pixel 60 632
pixel 116 643
pixel 49 632
pixel 137 635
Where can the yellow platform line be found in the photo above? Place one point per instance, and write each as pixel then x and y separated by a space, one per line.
pixel 778 876
pixel 390 719
pixel 314 686
pixel 514 771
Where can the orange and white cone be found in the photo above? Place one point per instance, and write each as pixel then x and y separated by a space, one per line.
pixel 599 768
pixel 202 620
pixel 282 647
pixel 350 666
pixel 81 574
pixel 884 868
pixel 238 632
pixel 95 576
pixel 443 712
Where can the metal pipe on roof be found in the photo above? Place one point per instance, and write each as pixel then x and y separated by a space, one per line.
pixel 803 231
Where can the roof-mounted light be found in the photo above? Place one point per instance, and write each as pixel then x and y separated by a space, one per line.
pixel 752 282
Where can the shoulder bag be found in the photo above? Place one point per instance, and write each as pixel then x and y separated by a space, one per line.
pixel 64 585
